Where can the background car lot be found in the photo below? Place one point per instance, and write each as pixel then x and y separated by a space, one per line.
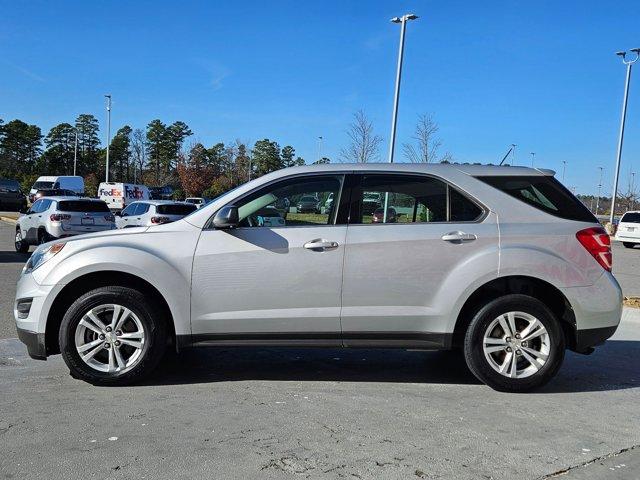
pixel 276 413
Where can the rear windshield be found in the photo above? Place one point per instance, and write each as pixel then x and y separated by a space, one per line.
pixel 82 206
pixel 175 209
pixel 544 193
pixel 631 217
pixel 10 185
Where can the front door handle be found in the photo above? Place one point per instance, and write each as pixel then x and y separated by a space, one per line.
pixel 459 237
pixel 320 245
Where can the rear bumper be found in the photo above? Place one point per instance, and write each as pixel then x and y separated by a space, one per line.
pixel 592 337
pixel 35 343
pixel 627 238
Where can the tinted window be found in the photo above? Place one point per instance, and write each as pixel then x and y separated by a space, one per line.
pixel 129 210
pixel 287 197
pixel 175 209
pixel 544 193
pixel 42 185
pixel 408 198
pixel 461 209
pixel 82 206
pixel 10 185
pixel 631 217
pixel 141 209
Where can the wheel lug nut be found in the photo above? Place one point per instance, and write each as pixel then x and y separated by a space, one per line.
pixel 118 333
pixel 508 349
pixel 518 352
pixel 101 336
pixel 108 329
pixel 508 339
pixel 116 343
pixel 106 345
pixel 517 335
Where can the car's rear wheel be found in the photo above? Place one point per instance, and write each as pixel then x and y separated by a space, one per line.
pixel 112 336
pixel 514 344
pixel 20 244
pixel 43 236
pixel 629 244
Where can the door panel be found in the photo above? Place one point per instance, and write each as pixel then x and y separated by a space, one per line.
pixel 263 280
pixel 402 278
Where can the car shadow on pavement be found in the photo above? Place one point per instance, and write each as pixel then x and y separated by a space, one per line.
pixel 613 366
pixel 13 257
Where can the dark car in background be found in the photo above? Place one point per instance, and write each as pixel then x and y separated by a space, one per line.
pixel 161 193
pixel 11 196
pixel 308 204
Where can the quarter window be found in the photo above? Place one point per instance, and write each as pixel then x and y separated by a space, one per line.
pixel 410 199
pixel 300 201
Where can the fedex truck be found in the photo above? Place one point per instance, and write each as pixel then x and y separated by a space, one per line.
pixel 119 195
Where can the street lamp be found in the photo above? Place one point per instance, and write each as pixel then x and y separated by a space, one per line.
pixel 108 97
pixel 319 148
pixel 599 189
pixel 623 117
pixel 394 119
pixel 396 97
pixel 564 169
pixel 513 154
pixel 75 153
pixel 533 155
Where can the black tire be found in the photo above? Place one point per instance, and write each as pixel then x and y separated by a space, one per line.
pixel 20 245
pixel 628 244
pixel 152 319
pixel 43 236
pixel 473 343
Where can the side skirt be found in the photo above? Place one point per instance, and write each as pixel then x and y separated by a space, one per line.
pixel 406 340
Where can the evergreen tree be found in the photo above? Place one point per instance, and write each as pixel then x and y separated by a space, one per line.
pixel 266 157
pixel 20 147
pixel 57 159
pixel 120 155
pixel 89 152
pixel 156 145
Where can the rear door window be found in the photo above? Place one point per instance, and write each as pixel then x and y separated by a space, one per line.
pixel 543 193
pixel 175 209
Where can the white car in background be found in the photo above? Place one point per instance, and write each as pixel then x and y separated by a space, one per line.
pixel 197 201
pixel 153 212
pixel 628 231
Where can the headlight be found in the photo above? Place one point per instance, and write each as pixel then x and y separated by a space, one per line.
pixel 42 254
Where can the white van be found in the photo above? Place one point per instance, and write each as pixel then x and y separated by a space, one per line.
pixel 119 195
pixel 73 183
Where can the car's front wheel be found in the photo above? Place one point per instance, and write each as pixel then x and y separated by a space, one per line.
pixel 628 244
pixel 112 336
pixel 514 344
pixel 20 244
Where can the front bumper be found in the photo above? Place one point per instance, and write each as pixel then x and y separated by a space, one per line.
pixel 35 343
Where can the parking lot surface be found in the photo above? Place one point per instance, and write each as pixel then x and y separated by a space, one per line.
pixel 286 413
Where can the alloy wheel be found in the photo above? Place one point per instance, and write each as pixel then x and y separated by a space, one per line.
pixel 110 338
pixel 516 344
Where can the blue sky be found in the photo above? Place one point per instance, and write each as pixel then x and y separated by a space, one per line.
pixel 539 74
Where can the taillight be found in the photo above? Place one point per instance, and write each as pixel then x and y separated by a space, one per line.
pixel 58 217
pixel 159 219
pixel 598 244
pixel 109 218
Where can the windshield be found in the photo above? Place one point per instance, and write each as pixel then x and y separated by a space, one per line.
pixel 43 185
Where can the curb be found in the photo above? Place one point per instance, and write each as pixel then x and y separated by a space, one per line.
pixel 630 314
pixel 9 220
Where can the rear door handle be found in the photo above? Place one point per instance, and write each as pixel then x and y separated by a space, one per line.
pixel 459 237
pixel 320 245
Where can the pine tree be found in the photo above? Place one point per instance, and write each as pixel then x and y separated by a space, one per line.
pixel 266 157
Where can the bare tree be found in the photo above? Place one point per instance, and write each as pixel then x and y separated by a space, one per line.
pixel 427 144
pixel 629 199
pixel 365 144
pixel 139 153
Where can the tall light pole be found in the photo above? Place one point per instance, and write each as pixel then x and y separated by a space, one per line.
pixel 75 154
pixel 533 156
pixel 319 148
pixel 564 169
pixel 599 189
pixel 513 154
pixel 396 96
pixel 108 97
pixel 633 190
pixel 623 118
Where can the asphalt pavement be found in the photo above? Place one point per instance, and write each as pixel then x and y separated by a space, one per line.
pixel 283 413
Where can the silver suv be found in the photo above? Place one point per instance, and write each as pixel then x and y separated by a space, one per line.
pixel 503 263
pixel 58 217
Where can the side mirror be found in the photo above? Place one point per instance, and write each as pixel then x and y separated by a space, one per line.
pixel 227 217
pixel 118 214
